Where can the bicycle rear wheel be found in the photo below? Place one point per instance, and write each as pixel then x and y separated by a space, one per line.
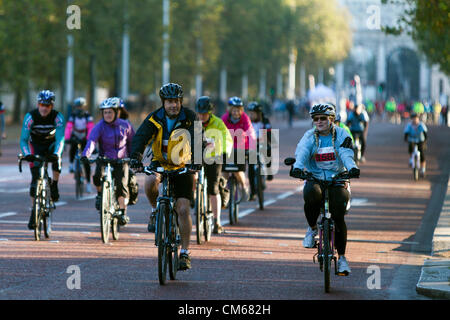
pixel 233 206
pixel 326 250
pixel 115 228
pixel 259 188
pixel 172 249
pixel 105 215
pixel 78 179
pixel 37 211
pixel 208 221
pixel 47 215
pixel 162 242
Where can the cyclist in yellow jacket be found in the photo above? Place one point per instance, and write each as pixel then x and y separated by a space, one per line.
pixel 171 130
pixel 219 144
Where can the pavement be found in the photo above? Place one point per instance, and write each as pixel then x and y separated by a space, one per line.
pixel 434 280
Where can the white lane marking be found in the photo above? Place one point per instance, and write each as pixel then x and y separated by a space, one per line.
pixel 299 237
pixel 361 202
pixel 7 214
pixel 266 204
pixel 22 190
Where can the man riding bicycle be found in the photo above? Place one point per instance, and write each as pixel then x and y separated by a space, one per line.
pixel 219 144
pixel 358 122
pixel 113 136
pixel 170 129
pixel 78 128
pixel 241 129
pixel 325 151
pixel 43 135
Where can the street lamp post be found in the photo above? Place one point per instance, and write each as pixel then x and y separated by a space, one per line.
pixel 166 62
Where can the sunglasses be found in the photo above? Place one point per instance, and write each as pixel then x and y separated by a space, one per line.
pixel 315 119
pixel 45 105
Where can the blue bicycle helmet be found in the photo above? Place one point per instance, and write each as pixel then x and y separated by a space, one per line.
pixel 46 97
pixel 80 102
pixel 254 106
pixel 235 102
pixel 203 105
pixel 110 103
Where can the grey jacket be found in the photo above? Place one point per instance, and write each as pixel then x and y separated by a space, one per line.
pixel 320 158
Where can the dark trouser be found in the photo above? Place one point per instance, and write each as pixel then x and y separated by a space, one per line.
pixel 338 198
pixel 120 175
pixel 421 146
pixel 362 140
pixel 41 150
pixel 73 151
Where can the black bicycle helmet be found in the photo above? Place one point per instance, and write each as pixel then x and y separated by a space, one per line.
pixel 254 106
pixel 170 91
pixel 327 109
pixel 203 105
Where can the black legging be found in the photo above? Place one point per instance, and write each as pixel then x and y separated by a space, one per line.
pixel 73 151
pixel 339 196
pixel 362 140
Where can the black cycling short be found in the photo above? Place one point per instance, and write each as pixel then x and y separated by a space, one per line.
pixel 213 173
pixel 183 186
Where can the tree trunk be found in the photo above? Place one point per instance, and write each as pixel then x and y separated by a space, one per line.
pixel 92 84
pixel 17 113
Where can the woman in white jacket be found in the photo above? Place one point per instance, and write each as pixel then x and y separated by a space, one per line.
pixel 325 151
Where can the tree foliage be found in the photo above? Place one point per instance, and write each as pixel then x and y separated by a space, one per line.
pixel 428 22
pixel 252 37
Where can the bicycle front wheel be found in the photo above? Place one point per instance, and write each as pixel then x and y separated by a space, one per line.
pixel 198 213
pixel 233 206
pixel 105 216
pixel 47 216
pixel 326 250
pixel 37 211
pixel 161 234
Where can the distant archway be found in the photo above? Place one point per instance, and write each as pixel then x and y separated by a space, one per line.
pixel 403 75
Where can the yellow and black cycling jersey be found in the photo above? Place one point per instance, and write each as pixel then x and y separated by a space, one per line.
pixel 172 147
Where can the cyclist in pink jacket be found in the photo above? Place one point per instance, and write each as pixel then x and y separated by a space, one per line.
pixel 244 137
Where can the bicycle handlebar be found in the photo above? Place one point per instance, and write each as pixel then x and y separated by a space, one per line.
pixel 33 158
pixel 149 170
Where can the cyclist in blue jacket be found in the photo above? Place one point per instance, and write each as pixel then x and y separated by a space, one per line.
pixel 325 151
pixel 43 135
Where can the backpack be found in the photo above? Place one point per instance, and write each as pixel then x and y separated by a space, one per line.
pixel 224 192
pixel 133 188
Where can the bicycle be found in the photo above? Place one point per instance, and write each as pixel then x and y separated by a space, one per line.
pixel 415 161
pixel 326 251
pixel 167 232
pixel 109 216
pixel 43 205
pixel 233 186
pixel 78 172
pixel 258 180
pixel 202 208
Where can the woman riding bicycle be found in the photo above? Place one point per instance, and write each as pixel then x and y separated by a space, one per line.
pixel 219 144
pixel 244 136
pixel 113 136
pixel 78 128
pixel 325 151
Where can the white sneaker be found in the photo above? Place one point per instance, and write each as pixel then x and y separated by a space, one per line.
pixel 88 188
pixel 343 267
pixel 308 241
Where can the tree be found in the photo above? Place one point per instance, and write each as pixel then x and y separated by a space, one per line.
pixel 427 22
